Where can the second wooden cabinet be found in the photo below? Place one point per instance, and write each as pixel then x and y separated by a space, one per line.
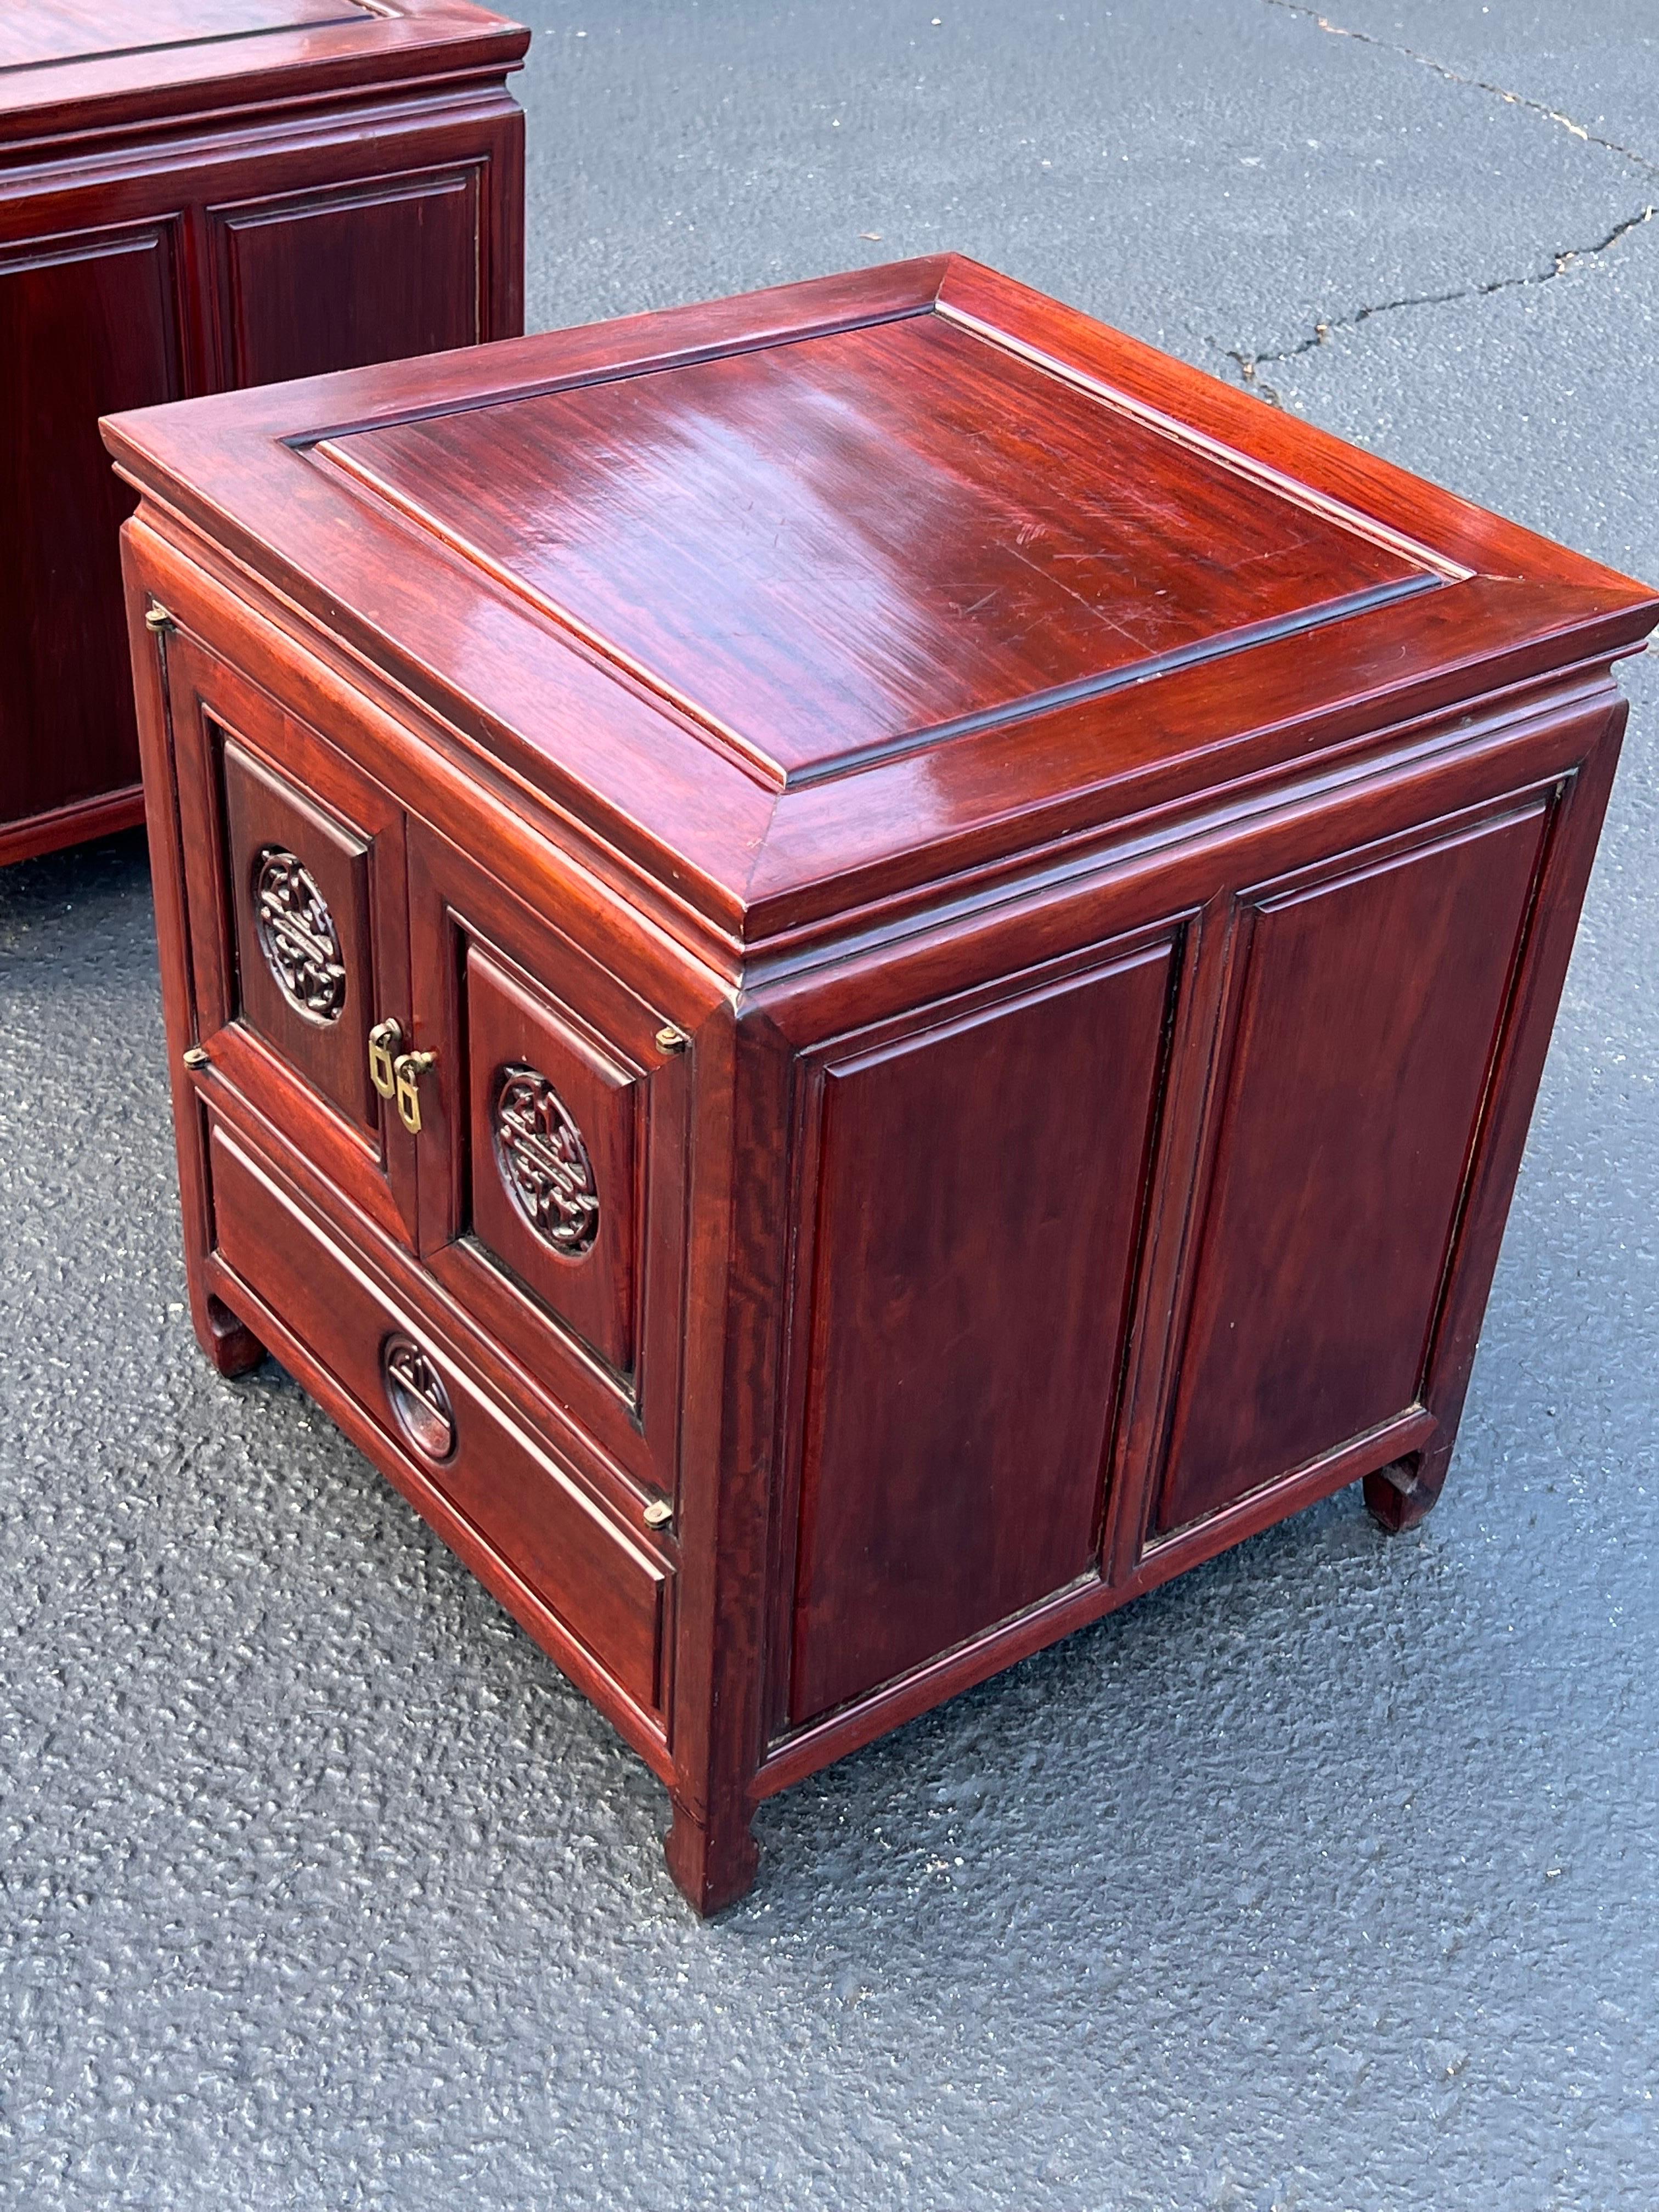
pixel 236 194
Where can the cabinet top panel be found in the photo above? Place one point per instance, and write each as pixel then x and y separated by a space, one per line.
pixel 872 539
pixel 79 30
pixel 69 68
pixel 807 597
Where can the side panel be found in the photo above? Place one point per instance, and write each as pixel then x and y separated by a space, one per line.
pixel 339 277
pixel 88 324
pixel 1369 1013
pixel 980 1189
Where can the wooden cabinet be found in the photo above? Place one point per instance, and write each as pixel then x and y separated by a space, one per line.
pixel 237 194
pixel 852 972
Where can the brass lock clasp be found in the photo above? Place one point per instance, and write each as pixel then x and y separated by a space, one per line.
pixel 384 1040
pixel 409 1067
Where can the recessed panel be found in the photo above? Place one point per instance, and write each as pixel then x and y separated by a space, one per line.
pixel 86 325
pixel 1369 1021
pixel 554 1127
pixel 298 892
pixel 901 527
pixel 375 270
pixel 978 1195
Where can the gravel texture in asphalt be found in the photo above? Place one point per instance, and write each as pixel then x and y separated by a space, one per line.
pixel 1326 1878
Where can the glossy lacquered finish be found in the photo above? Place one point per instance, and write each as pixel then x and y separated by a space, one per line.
pixel 852 972
pixel 195 196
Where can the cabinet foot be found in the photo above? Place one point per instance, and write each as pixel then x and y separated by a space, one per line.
pixel 1402 1496
pixel 231 1349
pixel 713 1857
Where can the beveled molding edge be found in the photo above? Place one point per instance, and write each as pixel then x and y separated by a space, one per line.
pixel 976 892
pixel 1216 450
pixel 208 582
pixel 88 98
pixel 776 933
pixel 1079 693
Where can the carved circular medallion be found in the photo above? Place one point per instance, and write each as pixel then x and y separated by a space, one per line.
pixel 415 1392
pixel 545 1163
pixel 297 936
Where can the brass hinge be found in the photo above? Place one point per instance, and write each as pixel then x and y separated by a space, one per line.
pixel 669 1039
pixel 659 1513
pixel 197 1057
pixel 157 618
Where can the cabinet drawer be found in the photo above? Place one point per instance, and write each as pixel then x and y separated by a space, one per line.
pixel 605 1590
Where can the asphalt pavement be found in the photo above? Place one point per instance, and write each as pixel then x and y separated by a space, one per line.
pixel 1326 1878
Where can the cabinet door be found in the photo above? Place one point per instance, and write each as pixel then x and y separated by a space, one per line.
pixel 296 880
pixel 553 1163
pixel 1370 998
pixel 341 276
pixel 88 325
pixel 973 1197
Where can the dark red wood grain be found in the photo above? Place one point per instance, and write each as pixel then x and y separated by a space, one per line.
pixel 69 31
pixel 1043 886
pixel 967 1317
pixel 193 197
pixel 263 813
pixel 1316 1280
pixel 93 70
pixel 89 321
pixel 232 799
pixel 910 568
pixel 354 273
pixel 490 975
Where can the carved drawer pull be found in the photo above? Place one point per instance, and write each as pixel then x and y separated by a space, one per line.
pixel 384 1040
pixel 415 1391
pixel 408 1069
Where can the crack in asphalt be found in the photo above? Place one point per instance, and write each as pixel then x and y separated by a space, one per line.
pixel 1249 364
pixel 1479 83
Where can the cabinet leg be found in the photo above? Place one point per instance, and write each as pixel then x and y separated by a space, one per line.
pixel 712 1857
pixel 1403 1496
pixel 231 1349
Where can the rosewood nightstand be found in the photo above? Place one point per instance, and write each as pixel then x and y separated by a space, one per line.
pixel 851 973
pixel 196 194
